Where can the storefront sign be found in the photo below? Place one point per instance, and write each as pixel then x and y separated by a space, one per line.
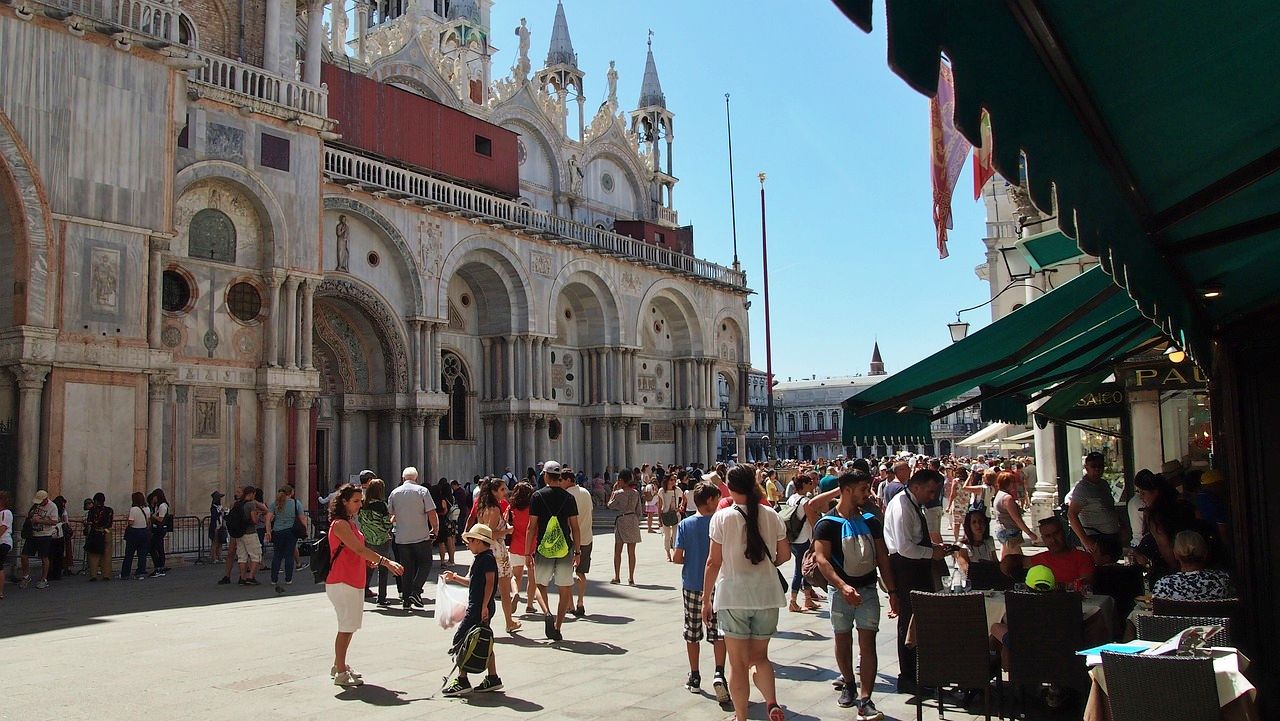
pixel 1105 401
pixel 1164 377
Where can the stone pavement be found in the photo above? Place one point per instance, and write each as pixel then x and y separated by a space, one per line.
pixel 181 645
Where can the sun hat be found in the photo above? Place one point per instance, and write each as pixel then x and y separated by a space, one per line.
pixel 1040 578
pixel 479 532
pixel 41 496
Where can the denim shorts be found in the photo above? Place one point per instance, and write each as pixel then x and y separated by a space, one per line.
pixel 745 623
pixel 1009 534
pixel 864 617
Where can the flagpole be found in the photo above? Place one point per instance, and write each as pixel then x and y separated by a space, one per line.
pixel 733 213
pixel 768 339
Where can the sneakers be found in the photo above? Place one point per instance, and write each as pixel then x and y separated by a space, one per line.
pixel 867 710
pixel 489 685
pixel 26 581
pixel 579 611
pixel 549 626
pixel 224 580
pixel 459 687
pixel 694 683
pixel 333 671
pixel 347 678
pixel 721 688
pixel 776 713
pixel 847 697
pixel 252 582
pixel 42 583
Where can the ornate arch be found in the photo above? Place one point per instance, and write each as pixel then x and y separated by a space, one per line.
pixel 626 159
pixel 429 84
pixel 672 291
pixel 409 265
pixel 537 135
pixel 22 190
pixel 587 272
pixel 496 255
pixel 386 324
pixel 275 227
pixel 726 317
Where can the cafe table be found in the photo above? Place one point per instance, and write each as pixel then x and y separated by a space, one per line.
pixel 1236 696
pixel 1097 611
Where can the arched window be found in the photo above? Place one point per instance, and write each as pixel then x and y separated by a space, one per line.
pixel 804 421
pixel 791 423
pixel 822 421
pixel 835 420
pixel 454 381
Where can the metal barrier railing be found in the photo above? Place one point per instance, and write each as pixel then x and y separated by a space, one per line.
pixel 189 537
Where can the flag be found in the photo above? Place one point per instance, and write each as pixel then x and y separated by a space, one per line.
pixel 983 169
pixel 949 151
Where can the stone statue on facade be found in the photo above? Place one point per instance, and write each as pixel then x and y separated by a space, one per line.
pixel 344 244
pixel 522 62
pixel 338 39
pixel 612 77
pixel 575 175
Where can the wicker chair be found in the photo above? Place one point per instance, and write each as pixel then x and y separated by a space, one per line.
pixel 1163 628
pixel 1045 631
pixel 987 576
pixel 1160 688
pixel 1217 608
pixel 951 645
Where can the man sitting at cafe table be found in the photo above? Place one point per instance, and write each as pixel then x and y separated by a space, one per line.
pixel 1072 567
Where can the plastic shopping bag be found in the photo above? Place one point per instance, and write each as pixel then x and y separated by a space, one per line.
pixel 451 605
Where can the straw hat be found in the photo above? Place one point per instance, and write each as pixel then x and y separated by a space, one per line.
pixel 479 532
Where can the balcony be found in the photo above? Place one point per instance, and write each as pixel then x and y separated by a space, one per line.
pixel 156 20
pixel 381 178
pixel 256 90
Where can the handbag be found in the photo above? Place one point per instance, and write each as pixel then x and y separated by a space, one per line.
pixel 299 528
pixel 669 518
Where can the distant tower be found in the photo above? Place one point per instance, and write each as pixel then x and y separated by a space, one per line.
pixel 877 365
pixel 653 124
pixel 561 77
pixel 464 38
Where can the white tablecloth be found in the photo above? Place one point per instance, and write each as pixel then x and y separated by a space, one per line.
pixel 1091 605
pixel 1229 666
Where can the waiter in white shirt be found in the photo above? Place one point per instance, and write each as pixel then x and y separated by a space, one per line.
pixel 911 554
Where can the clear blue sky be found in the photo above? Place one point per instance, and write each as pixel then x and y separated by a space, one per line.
pixel 843 140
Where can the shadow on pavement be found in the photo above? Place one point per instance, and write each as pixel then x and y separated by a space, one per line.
pixel 375 696
pixel 502 700
pixel 807 634
pixel 803 672
pixel 605 619
pixel 589 648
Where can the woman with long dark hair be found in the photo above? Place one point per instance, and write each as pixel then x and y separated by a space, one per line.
pixel 748 543
pixel 450 517
pixel 137 536
pixel 346 580
pixel 97 538
pixel 491 511
pixel 375 523
pixel 161 524
pixel 518 520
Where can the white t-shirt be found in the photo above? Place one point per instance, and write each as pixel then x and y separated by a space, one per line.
pixel 585 507
pixel 806 533
pixel 139 517
pixel 162 510
pixel 47 512
pixel 6 520
pixel 743 584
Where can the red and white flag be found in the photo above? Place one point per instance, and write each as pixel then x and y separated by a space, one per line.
pixel 983 168
pixel 949 151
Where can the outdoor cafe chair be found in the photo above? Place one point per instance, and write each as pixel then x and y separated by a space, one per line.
pixel 1216 608
pixel 1163 628
pixel 1045 631
pixel 951 645
pixel 1160 688
pixel 987 576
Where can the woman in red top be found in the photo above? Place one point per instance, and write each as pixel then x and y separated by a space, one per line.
pixel 345 583
pixel 518 519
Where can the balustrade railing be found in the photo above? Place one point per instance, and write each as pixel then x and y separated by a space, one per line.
pixel 146 17
pixel 256 83
pixel 343 165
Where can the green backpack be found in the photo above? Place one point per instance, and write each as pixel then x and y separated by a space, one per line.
pixel 553 543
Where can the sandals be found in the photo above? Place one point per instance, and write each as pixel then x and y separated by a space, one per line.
pixel 794 607
pixel 514 626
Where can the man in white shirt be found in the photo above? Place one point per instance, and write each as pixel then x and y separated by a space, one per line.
pixel 416 527
pixel 44 519
pixel 911 554
pixel 585 508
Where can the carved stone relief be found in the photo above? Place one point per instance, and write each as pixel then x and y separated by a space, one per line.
pixel 104 280
pixel 540 263
pixel 206 418
pixel 225 142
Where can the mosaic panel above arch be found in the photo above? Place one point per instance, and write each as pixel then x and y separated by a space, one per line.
pixel 385 327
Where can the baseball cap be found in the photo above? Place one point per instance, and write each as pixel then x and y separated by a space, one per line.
pixel 551 468
pixel 1041 578
pixel 41 496
pixel 367 475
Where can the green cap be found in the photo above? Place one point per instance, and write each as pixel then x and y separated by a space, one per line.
pixel 1040 578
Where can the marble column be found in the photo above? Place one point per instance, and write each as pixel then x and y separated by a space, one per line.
pixel 158 394
pixel 315 39
pixel 415 355
pixel 156 247
pixel 540 439
pixel 273 307
pixel 431 467
pixel 527 451
pixel 308 315
pixel 598 368
pixel 362 27
pixel 270 468
pixel 271 39
pixel 302 447
pixel 509 365
pixel 486 371
pixel 433 357
pixel 371 453
pixel 509 423
pixel 417 439
pixel 700 442
pixel 713 441
pixel 291 322
pixel 604 441
pixel 346 459
pixel 488 463
pixel 393 418
pixel 740 442
pixel 535 367
pixel 30 391
pixel 632 435
pixel 546 368
pixel 588 461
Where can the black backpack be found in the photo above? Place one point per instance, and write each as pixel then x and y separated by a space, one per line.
pixel 321 560
pixel 237 523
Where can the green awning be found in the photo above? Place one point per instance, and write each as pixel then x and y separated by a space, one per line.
pixel 1065 397
pixel 1045 250
pixel 1080 328
pixel 886 429
pixel 1144 128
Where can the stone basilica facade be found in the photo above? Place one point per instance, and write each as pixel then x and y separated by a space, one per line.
pixel 211 274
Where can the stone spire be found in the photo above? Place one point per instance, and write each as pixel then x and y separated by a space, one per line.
pixel 877 365
pixel 650 88
pixel 561 51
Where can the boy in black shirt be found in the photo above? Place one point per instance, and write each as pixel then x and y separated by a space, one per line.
pixel 481 583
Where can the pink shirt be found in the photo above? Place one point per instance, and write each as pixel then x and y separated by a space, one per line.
pixel 348 567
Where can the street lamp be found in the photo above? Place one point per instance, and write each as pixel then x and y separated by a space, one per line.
pixel 959 329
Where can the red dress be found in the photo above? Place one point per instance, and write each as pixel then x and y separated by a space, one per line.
pixel 519 529
pixel 348 567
